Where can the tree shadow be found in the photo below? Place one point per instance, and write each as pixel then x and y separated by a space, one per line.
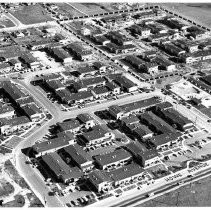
pixel 27 151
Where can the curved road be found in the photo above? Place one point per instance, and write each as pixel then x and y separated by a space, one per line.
pixel 33 179
pixel 31 175
pixel 14 20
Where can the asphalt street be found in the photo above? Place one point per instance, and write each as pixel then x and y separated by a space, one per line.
pixel 14 20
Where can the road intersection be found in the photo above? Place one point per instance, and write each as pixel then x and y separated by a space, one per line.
pixel 33 176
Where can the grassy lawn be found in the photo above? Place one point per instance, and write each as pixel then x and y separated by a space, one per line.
pixel 4 150
pixel 13 142
pixel 31 14
pixel 5 188
pixel 6 23
pixel 10 169
pixel 18 202
pixel 161 83
pixel 34 201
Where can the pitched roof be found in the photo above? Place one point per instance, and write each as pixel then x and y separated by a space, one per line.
pixel 78 154
pixel 125 172
pixel 112 157
pixel 164 138
pixel 97 177
pixel 159 123
pixel 31 109
pixel 69 125
pixel 14 121
pixel 140 104
pixel 96 133
pixel 130 119
pixel 84 117
pixel 142 130
pixel 149 154
pixel 60 168
pixel 135 148
pixel 54 143
pixel 6 108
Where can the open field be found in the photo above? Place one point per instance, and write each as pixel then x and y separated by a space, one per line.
pixel 68 9
pixel 5 188
pixel 18 201
pixel 197 12
pixel 195 194
pixel 90 8
pixel 13 142
pixel 108 7
pixel 4 150
pixel 161 83
pixel 5 22
pixel 34 201
pixel 10 169
pixel 187 91
pixel 31 14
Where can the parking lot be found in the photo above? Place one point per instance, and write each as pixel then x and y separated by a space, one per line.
pixel 191 150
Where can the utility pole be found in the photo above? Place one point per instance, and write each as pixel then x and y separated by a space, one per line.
pixel 45 201
pixel 177 198
pixel 195 121
pixel 165 99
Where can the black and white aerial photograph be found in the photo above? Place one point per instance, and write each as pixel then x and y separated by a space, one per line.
pixel 105 104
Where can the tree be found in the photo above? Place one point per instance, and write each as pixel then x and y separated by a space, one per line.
pixel 1 202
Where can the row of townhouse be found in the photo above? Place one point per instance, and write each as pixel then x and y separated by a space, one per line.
pixel 118 38
pixel 96 67
pixel 200 84
pixel 60 55
pixel 125 110
pixel 52 145
pixel 105 181
pixel 196 56
pixel 74 125
pixel 79 157
pixel 153 65
pixel 79 51
pixel 60 169
pixel 16 62
pixel 98 135
pixel 113 160
pixel 155 123
pixel 174 118
pixel 133 125
pixel 25 102
pixel 6 111
pixel 88 89
pixel 66 135
pixel 9 126
pixel 117 49
pixel 143 156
